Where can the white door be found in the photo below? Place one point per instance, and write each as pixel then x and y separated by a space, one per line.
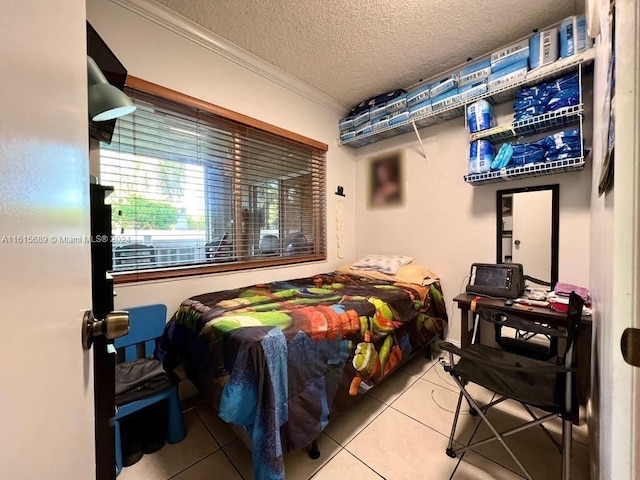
pixel 46 403
pixel 532 233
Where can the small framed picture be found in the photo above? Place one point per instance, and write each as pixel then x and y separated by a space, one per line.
pixel 385 176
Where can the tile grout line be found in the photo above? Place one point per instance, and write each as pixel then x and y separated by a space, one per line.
pixel 231 461
pixel 192 465
pixel 362 429
pixel 328 460
pixel 373 470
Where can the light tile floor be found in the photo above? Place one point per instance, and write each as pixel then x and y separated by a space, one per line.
pixel 398 431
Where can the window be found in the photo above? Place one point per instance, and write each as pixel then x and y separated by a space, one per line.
pixel 199 189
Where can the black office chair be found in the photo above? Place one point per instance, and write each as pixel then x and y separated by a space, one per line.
pixel 551 387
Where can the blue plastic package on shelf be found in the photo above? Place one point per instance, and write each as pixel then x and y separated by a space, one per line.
pixel 398 103
pixel 348 135
pixel 560 145
pixel 420 109
pixel 364 129
pixel 547 97
pixel 510 73
pixel 345 124
pixel 481 156
pixel 474 72
pixel 444 85
pixel 526 153
pixel 418 96
pixel 471 90
pixel 445 100
pixel 567 81
pixel 399 116
pixel 503 157
pixel 564 99
pixel 480 116
pixel 573 36
pixel 514 53
pixel 377 111
pixel 361 119
pixel 381 122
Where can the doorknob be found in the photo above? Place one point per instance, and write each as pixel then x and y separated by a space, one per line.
pixel 517 243
pixel 630 346
pixel 114 325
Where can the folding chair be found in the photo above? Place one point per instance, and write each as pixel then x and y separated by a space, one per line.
pixel 551 387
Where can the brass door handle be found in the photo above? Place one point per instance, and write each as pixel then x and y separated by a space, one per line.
pixel 114 325
pixel 630 346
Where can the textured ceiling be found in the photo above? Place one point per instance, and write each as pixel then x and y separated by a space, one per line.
pixel 353 49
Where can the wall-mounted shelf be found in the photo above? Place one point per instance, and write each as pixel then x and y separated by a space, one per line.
pixel 503 94
pixel 562 118
pixel 528 170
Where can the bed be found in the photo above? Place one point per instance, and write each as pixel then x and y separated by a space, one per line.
pixel 283 359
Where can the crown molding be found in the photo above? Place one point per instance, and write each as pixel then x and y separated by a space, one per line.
pixel 167 18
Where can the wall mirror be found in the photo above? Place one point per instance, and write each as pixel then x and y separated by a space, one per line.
pixel 527 231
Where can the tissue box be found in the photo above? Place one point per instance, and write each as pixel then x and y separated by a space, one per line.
pixel 420 109
pixel 512 73
pixel 512 54
pixel 418 96
pixel 361 119
pixel 377 111
pixel 364 129
pixel 398 103
pixel 398 117
pixel 381 122
pixel 474 72
pixel 348 135
pixel 444 85
pixel 345 124
pixel 472 90
pixel 445 99
pixel 543 48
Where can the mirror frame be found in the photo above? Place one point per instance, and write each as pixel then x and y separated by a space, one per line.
pixel 555 223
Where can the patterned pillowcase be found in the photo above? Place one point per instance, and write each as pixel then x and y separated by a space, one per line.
pixel 382 263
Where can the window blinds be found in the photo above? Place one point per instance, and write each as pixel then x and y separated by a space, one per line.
pixel 194 189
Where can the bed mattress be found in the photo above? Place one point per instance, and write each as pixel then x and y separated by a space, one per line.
pixel 282 359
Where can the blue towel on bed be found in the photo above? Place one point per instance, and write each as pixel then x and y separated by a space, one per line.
pixel 259 404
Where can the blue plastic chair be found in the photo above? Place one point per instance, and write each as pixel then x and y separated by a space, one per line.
pixel 146 324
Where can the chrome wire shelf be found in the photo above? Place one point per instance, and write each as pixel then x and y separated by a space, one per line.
pixel 503 94
pixel 525 171
pixel 561 118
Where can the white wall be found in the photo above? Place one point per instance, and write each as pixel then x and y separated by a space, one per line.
pixel 614 247
pixel 161 56
pixel 447 224
pixel 46 405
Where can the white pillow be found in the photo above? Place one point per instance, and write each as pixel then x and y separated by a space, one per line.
pixel 382 263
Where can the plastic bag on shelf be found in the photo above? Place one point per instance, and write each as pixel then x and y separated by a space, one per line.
pixel 503 157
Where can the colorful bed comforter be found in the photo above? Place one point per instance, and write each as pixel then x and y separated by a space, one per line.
pixel 289 356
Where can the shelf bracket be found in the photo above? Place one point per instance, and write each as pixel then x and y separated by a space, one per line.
pixel 415 129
